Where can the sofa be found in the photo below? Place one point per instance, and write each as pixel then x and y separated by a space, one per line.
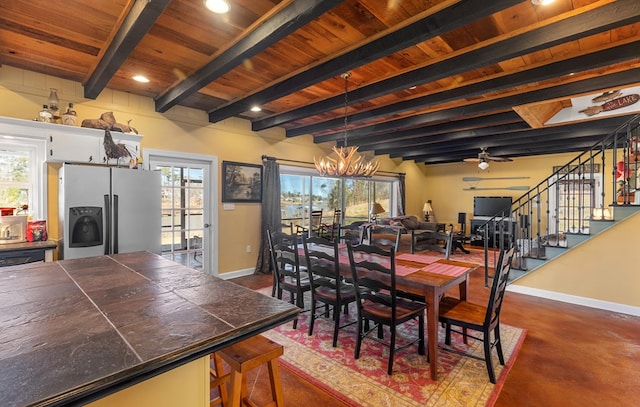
pixel 411 223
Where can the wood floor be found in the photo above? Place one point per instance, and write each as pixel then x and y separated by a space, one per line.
pixel 572 355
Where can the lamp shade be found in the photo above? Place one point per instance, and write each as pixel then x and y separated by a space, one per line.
pixel 376 208
pixel 427 208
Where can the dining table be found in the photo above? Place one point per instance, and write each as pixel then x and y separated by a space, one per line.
pixel 424 275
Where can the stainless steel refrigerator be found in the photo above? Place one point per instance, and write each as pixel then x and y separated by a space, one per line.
pixel 106 210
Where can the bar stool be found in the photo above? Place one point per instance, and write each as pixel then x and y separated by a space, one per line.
pixel 218 379
pixel 241 358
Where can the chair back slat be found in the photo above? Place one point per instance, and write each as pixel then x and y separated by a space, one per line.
pixel 373 273
pixel 285 255
pixel 322 262
pixel 500 279
pixel 385 237
pixel 439 241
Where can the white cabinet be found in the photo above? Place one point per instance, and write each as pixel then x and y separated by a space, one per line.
pixel 73 144
pixel 73 148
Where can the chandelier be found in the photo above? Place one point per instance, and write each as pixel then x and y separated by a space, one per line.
pixel 346 162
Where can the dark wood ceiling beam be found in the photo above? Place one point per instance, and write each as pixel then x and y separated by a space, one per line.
pixel 443 21
pixel 603 18
pixel 605 57
pixel 396 146
pixel 135 26
pixel 492 134
pixel 523 139
pixel 295 15
pixel 514 151
pixel 507 117
pixel 560 91
pixel 531 150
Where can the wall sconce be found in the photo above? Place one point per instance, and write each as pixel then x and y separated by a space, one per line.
pixel 376 209
pixel 428 210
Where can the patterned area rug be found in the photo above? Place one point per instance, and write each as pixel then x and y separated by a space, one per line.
pixel 463 381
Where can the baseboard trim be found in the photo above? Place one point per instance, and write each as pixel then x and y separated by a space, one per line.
pixel 237 273
pixel 574 299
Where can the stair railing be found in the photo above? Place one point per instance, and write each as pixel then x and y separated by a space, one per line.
pixel 565 202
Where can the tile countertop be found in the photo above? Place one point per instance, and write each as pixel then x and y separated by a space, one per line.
pixel 74 331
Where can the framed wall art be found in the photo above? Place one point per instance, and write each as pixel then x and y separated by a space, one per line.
pixel 242 182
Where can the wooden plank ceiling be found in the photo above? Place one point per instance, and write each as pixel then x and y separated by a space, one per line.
pixel 432 81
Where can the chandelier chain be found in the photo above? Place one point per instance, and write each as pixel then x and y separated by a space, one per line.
pixel 346 77
pixel 347 161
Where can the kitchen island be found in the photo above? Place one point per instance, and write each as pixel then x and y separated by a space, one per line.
pixel 76 331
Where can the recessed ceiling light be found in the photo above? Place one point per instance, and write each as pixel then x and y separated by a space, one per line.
pixel 256 109
pixel 217 6
pixel 541 2
pixel 141 78
pixel 412 87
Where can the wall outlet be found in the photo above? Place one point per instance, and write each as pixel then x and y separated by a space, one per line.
pixel 248 248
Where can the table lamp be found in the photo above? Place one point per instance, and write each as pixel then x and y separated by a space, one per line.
pixel 428 210
pixel 376 209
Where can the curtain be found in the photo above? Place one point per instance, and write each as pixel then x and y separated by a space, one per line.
pixel 400 193
pixel 271 215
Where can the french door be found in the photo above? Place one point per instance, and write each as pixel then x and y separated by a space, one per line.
pixel 189 229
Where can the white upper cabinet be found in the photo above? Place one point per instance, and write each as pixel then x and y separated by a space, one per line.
pixel 74 144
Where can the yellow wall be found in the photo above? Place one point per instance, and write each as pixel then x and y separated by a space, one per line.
pixel 602 268
pixel 22 94
pixel 444 185
pixel 187 130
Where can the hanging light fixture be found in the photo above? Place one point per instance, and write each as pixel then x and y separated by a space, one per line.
pixel 347 162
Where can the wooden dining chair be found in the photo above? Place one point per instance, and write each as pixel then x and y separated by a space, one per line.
pixel 352 233
pixel 315 224
pixel 287 271
pixel 439 241
pixel 327 285
pixel 484 319
pixel 373 272
pixel 385 237
pixel 331 230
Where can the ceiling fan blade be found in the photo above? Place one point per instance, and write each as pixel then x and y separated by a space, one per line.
pixel 471 160
pixel 499 159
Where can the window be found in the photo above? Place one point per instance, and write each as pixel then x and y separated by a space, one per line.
pixel 21 175
pixel 302 191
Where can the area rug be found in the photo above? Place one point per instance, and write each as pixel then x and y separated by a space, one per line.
pixel 462 381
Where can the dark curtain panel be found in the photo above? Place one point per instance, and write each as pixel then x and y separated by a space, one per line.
pixel 270 211
pixel 401 195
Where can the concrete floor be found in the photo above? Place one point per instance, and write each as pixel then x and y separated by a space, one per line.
pixel 572 355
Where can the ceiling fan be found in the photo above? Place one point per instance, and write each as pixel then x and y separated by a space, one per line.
pixel 483 159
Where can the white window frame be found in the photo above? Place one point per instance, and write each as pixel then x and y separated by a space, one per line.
pixel 37 147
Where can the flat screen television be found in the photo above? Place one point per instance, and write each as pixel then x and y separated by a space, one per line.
pixel 492 205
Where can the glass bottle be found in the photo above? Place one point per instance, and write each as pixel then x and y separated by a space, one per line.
pixel 54 106
pixel 45 115
pixel 70 118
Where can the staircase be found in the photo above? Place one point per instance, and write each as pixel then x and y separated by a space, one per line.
pixel 569 207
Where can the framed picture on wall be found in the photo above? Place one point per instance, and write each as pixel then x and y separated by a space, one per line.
pixel 242 182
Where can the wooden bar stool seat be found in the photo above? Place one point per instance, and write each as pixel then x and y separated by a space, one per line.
pixel 243 357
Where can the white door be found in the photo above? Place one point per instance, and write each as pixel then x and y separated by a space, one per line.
pixel 189 224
